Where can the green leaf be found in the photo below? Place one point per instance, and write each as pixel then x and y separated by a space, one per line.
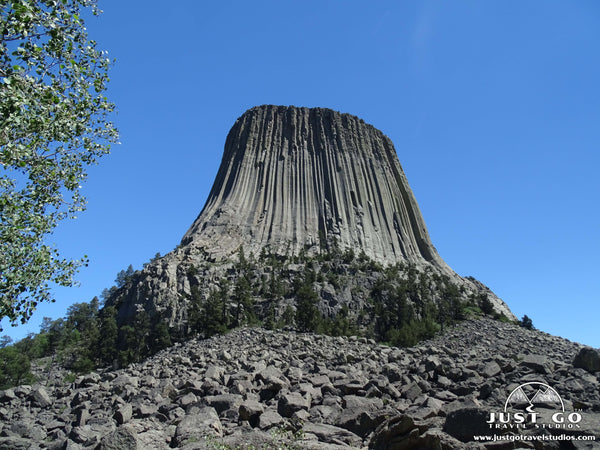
pixel 51 128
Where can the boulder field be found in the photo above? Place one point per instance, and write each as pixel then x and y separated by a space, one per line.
pixel 257 388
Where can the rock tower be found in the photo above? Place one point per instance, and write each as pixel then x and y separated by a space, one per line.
pixel 295 181
pixel 294 178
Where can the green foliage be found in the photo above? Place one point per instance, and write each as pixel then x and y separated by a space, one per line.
pixel 472 311
pixel 348 255
pixel 124 276
pixel 108 293
pixel 270 320
pixel 308 317
pixel 412 332
pixel 128 344
pixel 502 318
pixel 136 337
pixel 276 287
pixel 103 341
pixel 487 307
pixel 404 306
pixel 211 316
pixel 15 367
pixel 214 317
pixel 242 295
pixel 451 307
pixel 70 377
pixel 82 364
pixel 82 316
pixel 195 310
pixel 5 340
pixel 108 334
pixel 86 338
pixel 287 319
pixel 154 258
pixel 242 261
pixel 340 325
pixel 34 346
pixel 53 124
pixel 392 294
pixel 160 337
pixel 526 322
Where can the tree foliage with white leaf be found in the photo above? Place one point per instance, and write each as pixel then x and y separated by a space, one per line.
pixel 54 122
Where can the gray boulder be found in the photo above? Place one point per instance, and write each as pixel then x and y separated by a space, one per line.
pixel 465 423
pixel 250 410
pixel 588 359
pixel 40 397
pixel 123 414
pixel 198 425
pixel 14 443
pixel 269 419
pixel 121 439
pixel 290 403
pixel 332 434
pixel 539 363
pixel 401 432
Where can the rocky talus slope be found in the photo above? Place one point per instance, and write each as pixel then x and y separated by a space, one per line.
pixel 274 389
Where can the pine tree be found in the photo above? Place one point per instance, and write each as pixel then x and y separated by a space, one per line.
pixel 15 368
pixel 128 345
pixel 195 310
pixel 124 276
pixel 341 326
pixel 242 294
pixel 108 334
pixel 160 337
pixel 485 304
pixel 213 320
pixel 308 316
pixel 526 322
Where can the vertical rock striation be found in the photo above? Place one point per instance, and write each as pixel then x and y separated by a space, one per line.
pixel 297 178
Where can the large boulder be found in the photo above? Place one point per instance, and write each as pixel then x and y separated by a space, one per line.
pixel 401 433
pixel 588 359
pixel 121 439
pixel 465 423
pixel 198 425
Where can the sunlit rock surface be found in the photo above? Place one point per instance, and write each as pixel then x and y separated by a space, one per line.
pixel 294 178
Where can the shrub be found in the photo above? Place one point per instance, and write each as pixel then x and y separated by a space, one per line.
pixel 526 322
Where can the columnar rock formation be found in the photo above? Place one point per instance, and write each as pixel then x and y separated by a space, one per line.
pixel 294 178
pixel 297 181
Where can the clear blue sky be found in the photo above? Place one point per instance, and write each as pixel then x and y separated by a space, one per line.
pixel 493 107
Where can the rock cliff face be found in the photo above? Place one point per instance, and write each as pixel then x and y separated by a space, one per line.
pixel 294 178
pixel 298 181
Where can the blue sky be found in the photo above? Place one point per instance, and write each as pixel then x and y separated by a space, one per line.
pixel 493 107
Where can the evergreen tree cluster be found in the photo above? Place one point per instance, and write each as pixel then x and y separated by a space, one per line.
pixel 86 338
pixel 404 304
